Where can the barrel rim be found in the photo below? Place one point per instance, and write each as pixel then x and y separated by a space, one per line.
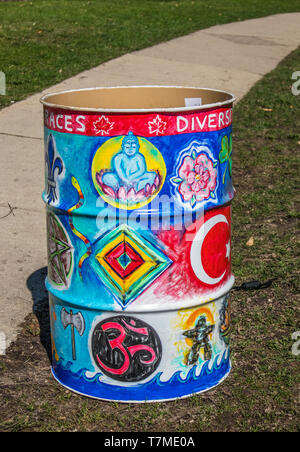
pixel 231 100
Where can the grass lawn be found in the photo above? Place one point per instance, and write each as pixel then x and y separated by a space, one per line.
pixel 43 42
pixel 262 391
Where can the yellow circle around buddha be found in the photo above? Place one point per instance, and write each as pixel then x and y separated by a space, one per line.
pixel 128 196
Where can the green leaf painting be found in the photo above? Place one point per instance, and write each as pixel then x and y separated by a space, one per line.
pixel 225 154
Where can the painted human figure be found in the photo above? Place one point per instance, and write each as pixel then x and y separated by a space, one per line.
pixel 224 327
pixel 129 167
pixel 199 335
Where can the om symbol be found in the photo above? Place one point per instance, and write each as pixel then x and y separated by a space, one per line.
pixel 126 348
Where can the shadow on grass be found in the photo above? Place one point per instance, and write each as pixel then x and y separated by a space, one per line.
pixel 36 285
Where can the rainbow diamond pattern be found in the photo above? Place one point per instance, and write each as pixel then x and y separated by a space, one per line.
pixel 127 263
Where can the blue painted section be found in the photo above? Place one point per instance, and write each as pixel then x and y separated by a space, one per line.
pixel 77 153
pixel 155 389
pixel 86 218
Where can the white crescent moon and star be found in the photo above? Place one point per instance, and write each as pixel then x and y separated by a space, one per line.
pixel 196 248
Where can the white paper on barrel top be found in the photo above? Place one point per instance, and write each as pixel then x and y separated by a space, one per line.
pixel 193 101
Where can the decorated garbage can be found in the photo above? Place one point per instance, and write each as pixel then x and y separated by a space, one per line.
pixel 138 194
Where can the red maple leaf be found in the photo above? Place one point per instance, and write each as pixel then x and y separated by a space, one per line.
pixel 157 126
pixel 103 125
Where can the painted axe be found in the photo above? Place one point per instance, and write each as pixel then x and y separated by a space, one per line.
pixel 76 321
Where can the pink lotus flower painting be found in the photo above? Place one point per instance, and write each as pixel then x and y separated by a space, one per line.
pixel 197 178
pixel 128 194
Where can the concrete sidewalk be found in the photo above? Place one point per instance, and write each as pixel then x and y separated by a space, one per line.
pixel 232 57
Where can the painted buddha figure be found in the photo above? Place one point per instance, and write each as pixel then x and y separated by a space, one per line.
pixel 129 168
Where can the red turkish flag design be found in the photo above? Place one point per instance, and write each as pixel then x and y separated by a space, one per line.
pixel 201 256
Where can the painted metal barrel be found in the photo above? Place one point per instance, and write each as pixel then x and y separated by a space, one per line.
pixel 138 193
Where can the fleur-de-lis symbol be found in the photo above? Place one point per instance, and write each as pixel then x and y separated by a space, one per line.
pixel 225 154
pixel 54 166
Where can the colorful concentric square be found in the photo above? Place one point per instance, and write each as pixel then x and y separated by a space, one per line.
pixel 127 263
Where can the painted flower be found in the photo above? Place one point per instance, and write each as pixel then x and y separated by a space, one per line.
pixel 128 194
pixel 197 178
